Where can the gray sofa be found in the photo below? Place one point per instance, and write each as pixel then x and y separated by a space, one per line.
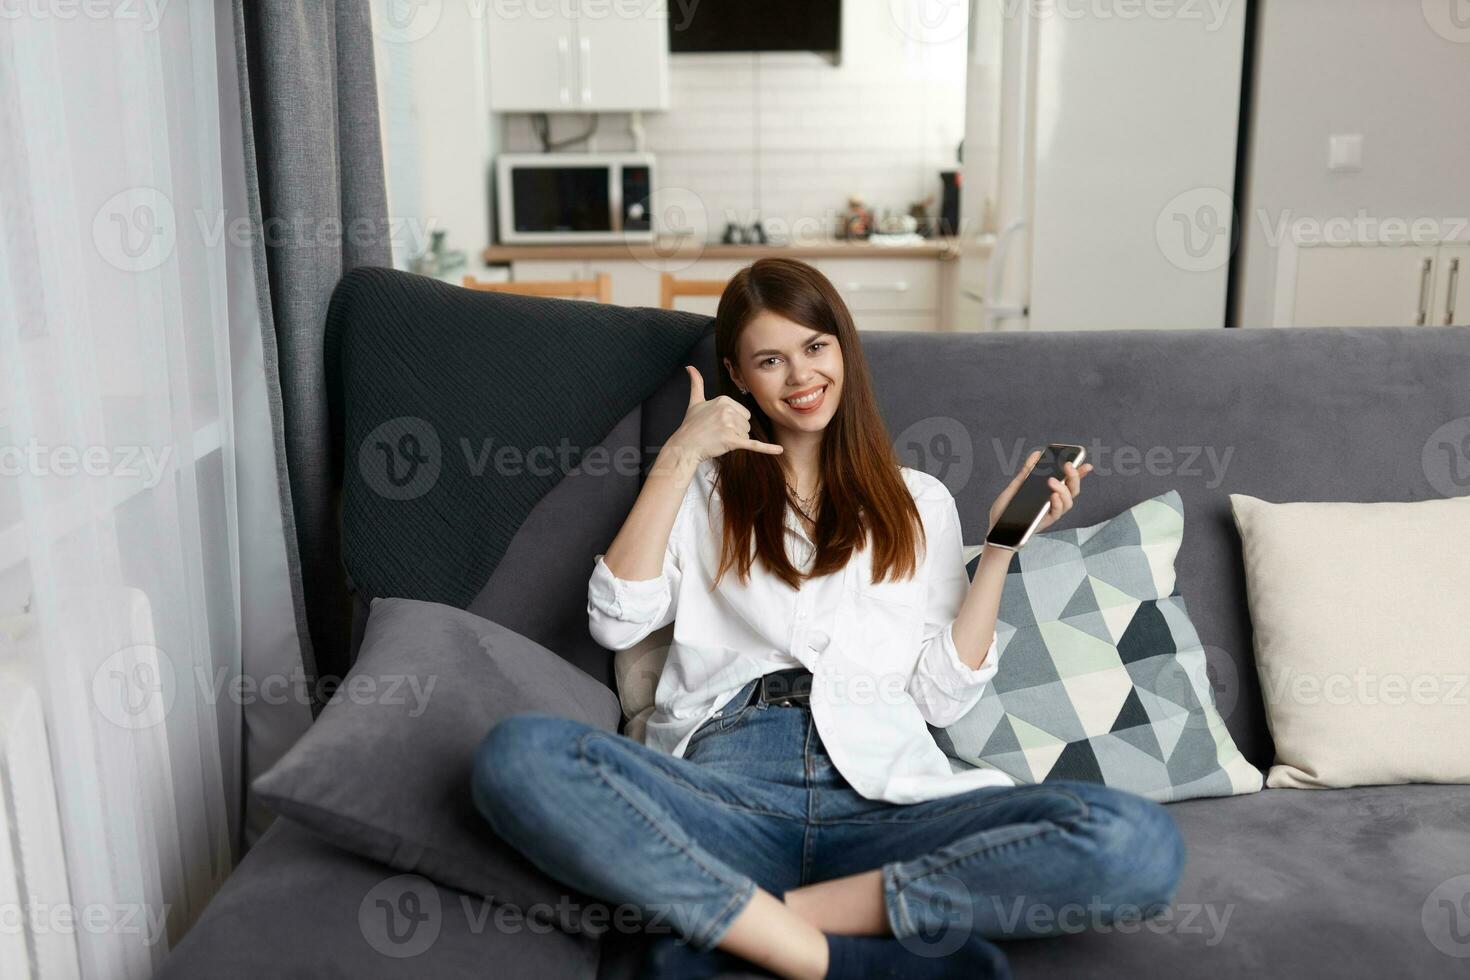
pixel 1280 883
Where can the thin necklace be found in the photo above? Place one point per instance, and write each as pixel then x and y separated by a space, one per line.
pixel 804 504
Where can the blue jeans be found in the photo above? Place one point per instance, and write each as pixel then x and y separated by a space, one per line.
pixel 755 801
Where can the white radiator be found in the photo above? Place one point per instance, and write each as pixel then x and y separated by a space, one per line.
pixel 37 938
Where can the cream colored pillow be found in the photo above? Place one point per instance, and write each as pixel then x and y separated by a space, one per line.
pixel 1362 639
pixel 636 671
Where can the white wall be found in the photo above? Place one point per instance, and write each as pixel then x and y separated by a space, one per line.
pixel 1396 71
pixel 435 116
pixel 788 136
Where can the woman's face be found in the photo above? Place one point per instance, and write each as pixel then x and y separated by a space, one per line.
pixel 793 371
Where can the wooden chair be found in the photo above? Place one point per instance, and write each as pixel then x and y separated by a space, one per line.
pixel 599 289
pixel 670 287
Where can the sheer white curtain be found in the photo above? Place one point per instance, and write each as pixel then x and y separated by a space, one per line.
pixel 141 555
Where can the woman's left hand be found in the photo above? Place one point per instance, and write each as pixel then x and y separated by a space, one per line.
pixel 1064 492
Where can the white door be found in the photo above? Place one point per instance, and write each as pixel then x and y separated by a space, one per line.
pixel 622 56
pixel 533 67
pixel 1453 308
pixel 1364 285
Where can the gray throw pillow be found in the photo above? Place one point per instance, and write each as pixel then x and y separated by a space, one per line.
pixel 1102 677
pixel 385 770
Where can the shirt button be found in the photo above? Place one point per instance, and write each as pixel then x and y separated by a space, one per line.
pixel 819 640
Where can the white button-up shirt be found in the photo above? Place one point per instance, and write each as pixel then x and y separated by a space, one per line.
pixel 882 656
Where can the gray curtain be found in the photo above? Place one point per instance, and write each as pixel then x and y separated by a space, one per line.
pixel 314 166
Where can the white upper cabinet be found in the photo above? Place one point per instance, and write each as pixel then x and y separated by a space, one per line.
pixel 578 56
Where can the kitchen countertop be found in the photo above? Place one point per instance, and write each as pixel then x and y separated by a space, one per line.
pixel 944 249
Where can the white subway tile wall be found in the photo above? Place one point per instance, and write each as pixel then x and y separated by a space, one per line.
pixel 789 136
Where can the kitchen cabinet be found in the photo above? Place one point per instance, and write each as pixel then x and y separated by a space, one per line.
pixel 1452 304
pixel 882 292
pixel 578 57
pixel 1374 285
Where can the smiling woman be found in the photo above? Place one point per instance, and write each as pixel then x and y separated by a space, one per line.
pixel 788 753
pixel 793 359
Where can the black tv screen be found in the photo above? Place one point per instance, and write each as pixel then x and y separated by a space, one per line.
pixel 755 25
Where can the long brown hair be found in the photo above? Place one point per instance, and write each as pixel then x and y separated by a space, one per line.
pixel 864 492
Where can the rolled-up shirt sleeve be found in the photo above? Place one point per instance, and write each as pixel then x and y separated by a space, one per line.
pixel 620 612
pixel 942 685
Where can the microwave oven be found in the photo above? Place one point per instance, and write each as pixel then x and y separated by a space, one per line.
pixel 546 198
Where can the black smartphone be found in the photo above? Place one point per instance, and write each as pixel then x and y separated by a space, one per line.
pixel 1016 523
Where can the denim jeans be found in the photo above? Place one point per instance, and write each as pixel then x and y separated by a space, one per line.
pixel 755 801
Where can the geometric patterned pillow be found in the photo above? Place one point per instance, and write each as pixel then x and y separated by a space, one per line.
pixel 1102 677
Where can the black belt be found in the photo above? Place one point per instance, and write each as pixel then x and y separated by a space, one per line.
pixel 791 686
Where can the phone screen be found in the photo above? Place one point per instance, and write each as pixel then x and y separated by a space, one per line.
pixel 1032 497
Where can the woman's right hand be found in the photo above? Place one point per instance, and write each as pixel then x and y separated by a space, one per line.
pixel 713 428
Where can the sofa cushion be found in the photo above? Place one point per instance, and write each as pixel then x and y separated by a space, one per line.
pixel 1102 676
pixel 1360 637
pixel 385 771
pixel 299 908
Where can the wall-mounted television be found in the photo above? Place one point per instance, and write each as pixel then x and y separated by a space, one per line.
pixel 755 25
